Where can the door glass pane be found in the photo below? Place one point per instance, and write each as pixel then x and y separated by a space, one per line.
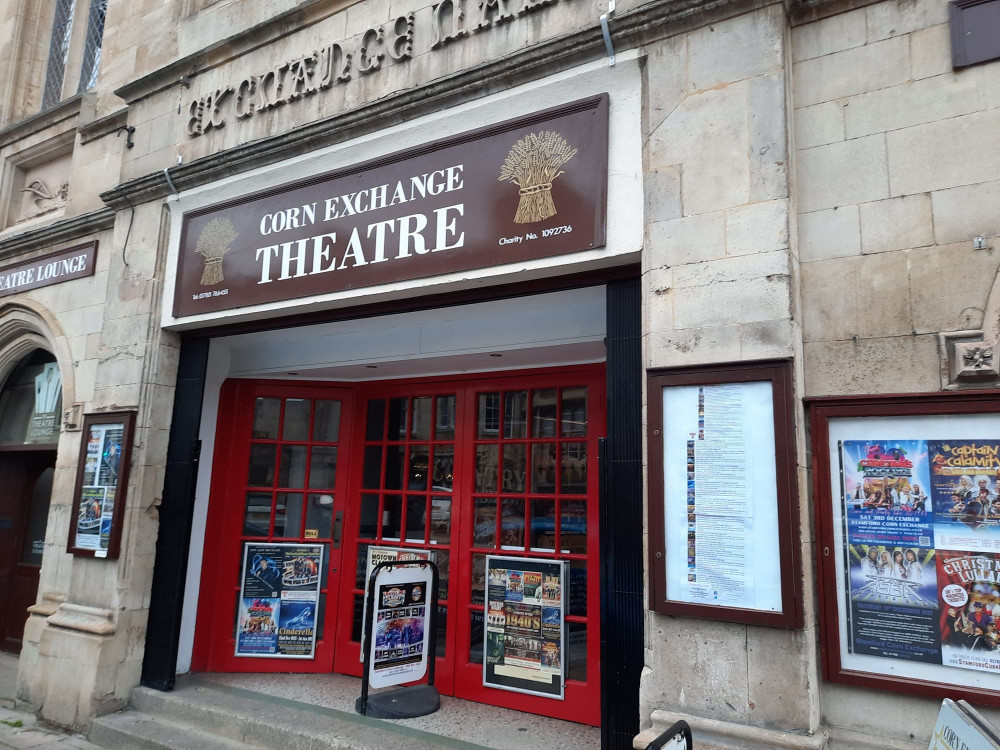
pixel 476 637
pixel 444 467
pixel 416 518
pixel 322 467
pixel 574 412
pixel 261 471
pixel 486 468
pixel 576 634
pixel 326 422
pixel 421 427
pixel 514 472
pixel 443 559
pixel 574 468
pixel 574 526
pixel 375 423
pixel 265 418
pixel 485 529
pixel 394 466
pixel 489 415
pixel 543 412
pixel 397 419
pixel 512 523
pixel 257 519
pixel 543 468
pixel 292 471
pixel 359 616
pixel 441 626
pixel 296 419
pixel 319 516
pixel 478 579
pixel 288 515
pixel 419 455
pixel 371 474
pixel 578 588
pixel 38 516
pixel 392 515
pixel 368 524
pixel 362 566
pixel 440 519
pixel 444 427
pixel 515 414
pixel 543 524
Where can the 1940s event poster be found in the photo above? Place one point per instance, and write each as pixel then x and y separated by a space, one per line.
pixel 923 550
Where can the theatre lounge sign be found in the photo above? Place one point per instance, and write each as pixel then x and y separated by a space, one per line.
pixel 54 268
pixel 512 192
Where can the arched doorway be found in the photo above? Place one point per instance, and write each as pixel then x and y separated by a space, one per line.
pixel 30 418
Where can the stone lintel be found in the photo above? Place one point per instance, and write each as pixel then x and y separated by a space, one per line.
pixel 95 620
pixel 64 230
pixel 48 605
pixel 64 110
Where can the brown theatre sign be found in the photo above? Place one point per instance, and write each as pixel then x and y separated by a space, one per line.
pixel 54 268
pixel 527 188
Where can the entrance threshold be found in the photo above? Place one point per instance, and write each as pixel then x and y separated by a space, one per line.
pixel 299 710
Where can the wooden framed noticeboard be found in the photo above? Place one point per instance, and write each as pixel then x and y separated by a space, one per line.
pixel 101 484
pixel 907 501
pixel 723 511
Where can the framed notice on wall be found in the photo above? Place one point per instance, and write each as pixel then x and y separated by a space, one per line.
pixel 722 494
pixel 525 636
pixel 101 484
pixel 907 494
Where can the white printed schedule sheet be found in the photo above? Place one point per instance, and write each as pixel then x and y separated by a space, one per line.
pixel 720 496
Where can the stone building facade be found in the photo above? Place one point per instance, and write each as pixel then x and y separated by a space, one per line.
pixel 808 182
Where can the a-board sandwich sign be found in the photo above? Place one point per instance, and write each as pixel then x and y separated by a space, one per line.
pixel 378 555
pixel 960 727
pixel 525 635
pixel 279 600
pixel 400 635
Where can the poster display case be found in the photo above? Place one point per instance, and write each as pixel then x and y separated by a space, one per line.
pixel 722 495
pixel 101 484
pixel 907 493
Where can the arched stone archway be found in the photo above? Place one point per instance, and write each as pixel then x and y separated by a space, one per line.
pixel 25 326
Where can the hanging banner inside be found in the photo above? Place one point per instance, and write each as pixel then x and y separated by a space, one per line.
pixel 524 636
pixel 399 641
pixel 279 600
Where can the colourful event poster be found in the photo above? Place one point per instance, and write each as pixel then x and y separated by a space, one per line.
pixel 964 482
pixel 969 609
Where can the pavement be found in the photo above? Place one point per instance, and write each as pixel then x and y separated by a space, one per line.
pixel 19 729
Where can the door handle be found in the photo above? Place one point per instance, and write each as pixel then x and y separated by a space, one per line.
pixel 338 525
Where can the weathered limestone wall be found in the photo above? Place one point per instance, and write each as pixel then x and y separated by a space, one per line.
pixel 720 279
pixel 898 168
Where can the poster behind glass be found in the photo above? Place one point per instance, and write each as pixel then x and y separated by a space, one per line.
pixel 524 636
pixel 102 461
pixel 919 535
pixel 720 496
pixel 279 600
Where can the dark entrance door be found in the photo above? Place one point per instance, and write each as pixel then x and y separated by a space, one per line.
pixel 26 479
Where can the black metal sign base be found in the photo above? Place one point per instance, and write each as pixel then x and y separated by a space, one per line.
pixel 402 703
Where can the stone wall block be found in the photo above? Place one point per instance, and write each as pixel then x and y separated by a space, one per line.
pixel 663 194
pixel 842 173
pixel 950 286
pixel 742 47
pixel 965 212
pixel 897 17
pixel 658 299
pixel 744 269
pixel 949 153
pixel 768 339
pixel 853 71
pixel 915 102
pixel 757 228
pixel 693 346
pixel 666 78
pixel 732 302
pixel 819 124
pixel 833 233
pixel 691 239
pixel 768 138
pixel 708 135
pixel 833 34
pixel 898 364
pixel 931 51
pixel 780 675
pixel 830 299
pixel 896 224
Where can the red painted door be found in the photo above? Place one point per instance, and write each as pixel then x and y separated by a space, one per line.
pixel 278 476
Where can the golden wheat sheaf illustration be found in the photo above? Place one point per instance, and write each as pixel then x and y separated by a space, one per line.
pixel 213 244
pixel 533 164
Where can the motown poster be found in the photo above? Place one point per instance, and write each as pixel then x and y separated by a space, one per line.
pixel 100 486
pixel 279 600
pixel 524 630
pixel 923 550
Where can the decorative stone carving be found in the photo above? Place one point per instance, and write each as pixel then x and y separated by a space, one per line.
pixel 44 200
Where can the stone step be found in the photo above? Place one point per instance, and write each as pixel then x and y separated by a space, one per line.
pixel 133 730
pixel 241 718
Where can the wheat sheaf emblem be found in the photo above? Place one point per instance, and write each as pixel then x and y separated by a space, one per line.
pixel 533 164
pixel 213 244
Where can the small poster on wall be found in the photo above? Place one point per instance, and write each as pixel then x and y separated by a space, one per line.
pixel 524 625
pixel 279 600
pixel 102 478
pixel 401 631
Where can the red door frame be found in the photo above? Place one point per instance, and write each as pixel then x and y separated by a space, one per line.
pixel 214 643
pixel 455 675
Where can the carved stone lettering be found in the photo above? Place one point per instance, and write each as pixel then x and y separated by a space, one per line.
pixel 400 44
pixel 368 62
pixel 491 12
pixel 450 15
